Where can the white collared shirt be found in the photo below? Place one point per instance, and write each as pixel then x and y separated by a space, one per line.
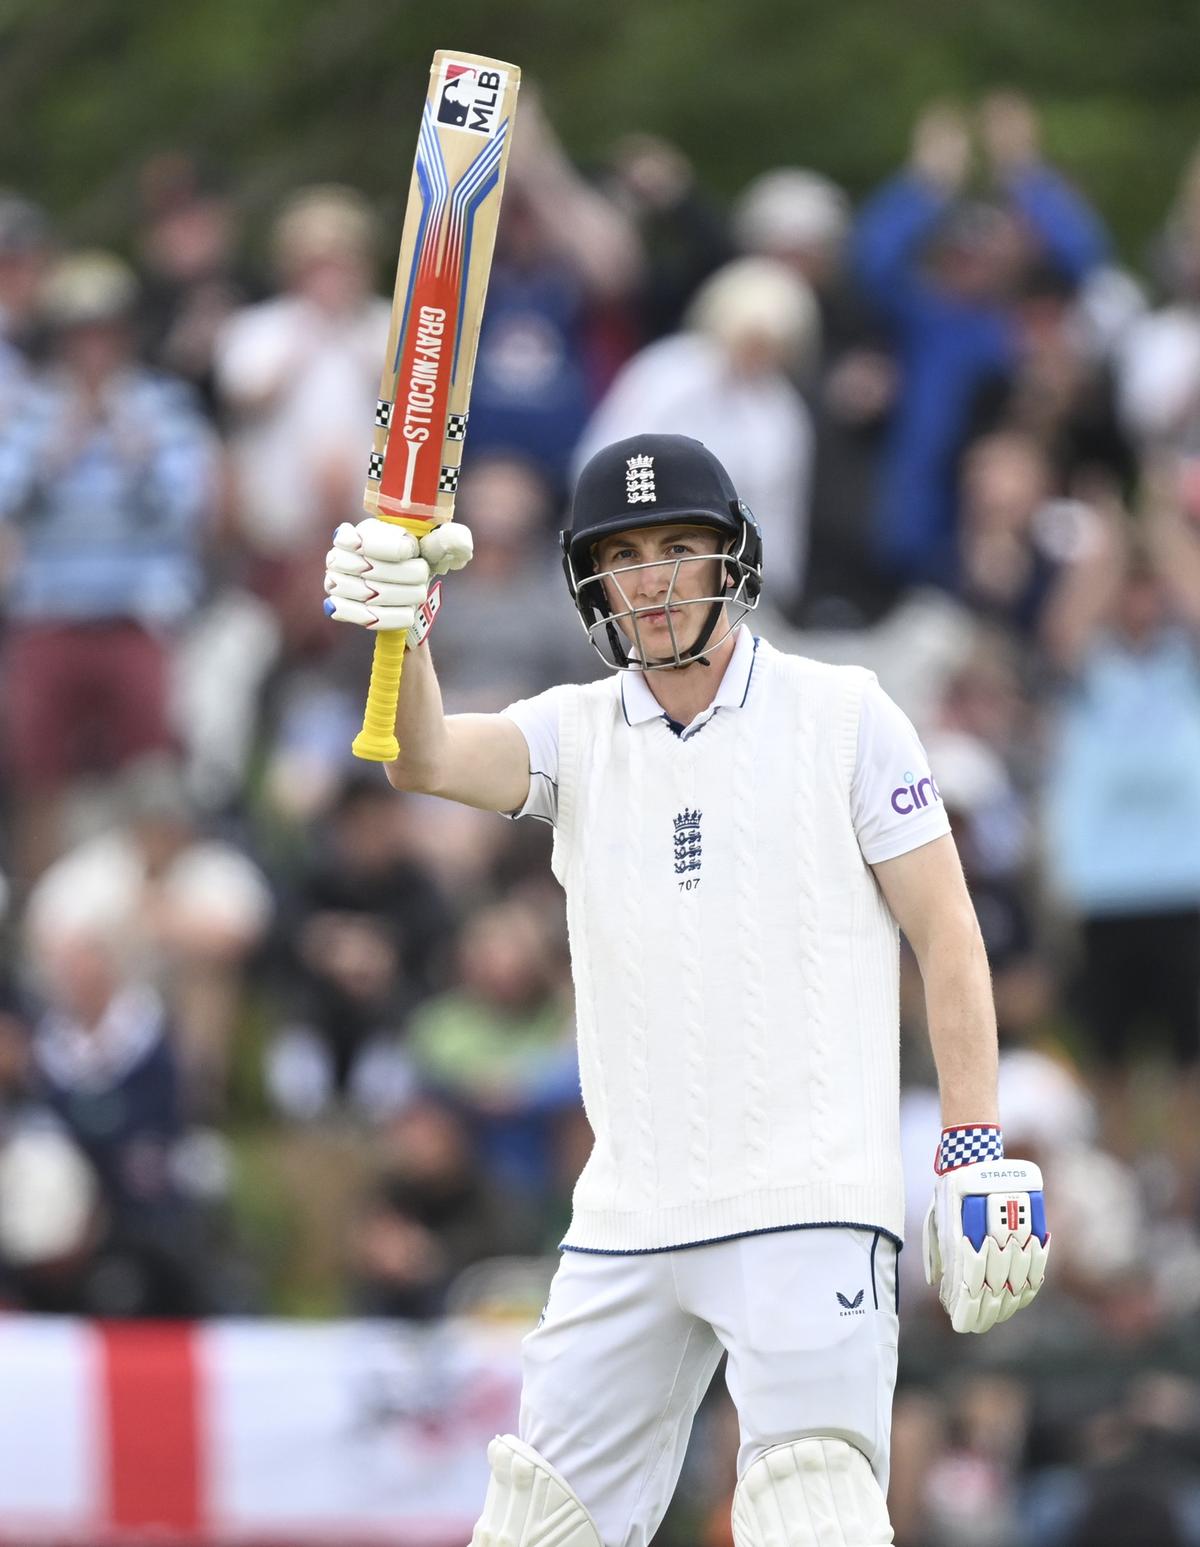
pixel 895 802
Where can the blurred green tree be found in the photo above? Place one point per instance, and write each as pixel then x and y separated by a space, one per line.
pixel 278 92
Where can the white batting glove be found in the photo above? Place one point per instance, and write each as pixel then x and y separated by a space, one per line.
pixel 377 574
pixel 448 547
pixel 985 1240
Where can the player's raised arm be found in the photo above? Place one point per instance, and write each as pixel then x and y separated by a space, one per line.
pixel 378 576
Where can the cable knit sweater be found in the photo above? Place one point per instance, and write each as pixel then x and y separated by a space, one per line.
pixel 736 968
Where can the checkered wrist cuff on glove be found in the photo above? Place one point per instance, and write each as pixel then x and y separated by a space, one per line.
pixel 964 1146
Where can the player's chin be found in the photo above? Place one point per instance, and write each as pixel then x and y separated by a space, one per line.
pixel 665 635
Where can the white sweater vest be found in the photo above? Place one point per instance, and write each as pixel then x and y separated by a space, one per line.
pixel 736 968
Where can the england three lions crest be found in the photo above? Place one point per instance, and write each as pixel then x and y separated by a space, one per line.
pixel 639 480
pixel 687 842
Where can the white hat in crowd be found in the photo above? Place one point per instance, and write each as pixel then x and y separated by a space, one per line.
pixel 324 221
pixel 48 1195
pixel 88 287
pixel 762 298
pixel 788 209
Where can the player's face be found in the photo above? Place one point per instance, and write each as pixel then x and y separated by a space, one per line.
pixel 659 575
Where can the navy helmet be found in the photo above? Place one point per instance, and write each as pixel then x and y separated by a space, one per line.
pixel 658 480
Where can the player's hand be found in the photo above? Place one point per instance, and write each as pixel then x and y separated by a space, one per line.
pixel 448 547
pixel 377 574
pixel 941 147
pixel 985 1238
pixel 1009 128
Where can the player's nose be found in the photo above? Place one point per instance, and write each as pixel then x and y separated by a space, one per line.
pixel 655 581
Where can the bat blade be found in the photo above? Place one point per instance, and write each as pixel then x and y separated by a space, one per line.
pixel 441 282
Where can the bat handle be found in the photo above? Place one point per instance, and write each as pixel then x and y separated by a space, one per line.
pixel 376 742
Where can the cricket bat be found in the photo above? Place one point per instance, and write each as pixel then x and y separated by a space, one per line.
pixel 445 257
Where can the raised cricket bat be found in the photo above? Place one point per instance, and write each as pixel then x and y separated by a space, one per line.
pixel 441 281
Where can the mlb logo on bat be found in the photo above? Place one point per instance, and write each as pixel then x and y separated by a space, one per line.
pixel 469 98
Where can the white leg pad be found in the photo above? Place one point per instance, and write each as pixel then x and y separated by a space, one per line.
pixel 810 1493
pixel 528 1504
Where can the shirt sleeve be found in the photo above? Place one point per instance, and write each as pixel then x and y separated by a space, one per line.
pixel 537 720
pixel 895 803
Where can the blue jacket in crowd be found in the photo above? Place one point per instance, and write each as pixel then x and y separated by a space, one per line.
pixel 947 348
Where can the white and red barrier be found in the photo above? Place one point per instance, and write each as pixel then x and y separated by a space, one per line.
pixel 248 1433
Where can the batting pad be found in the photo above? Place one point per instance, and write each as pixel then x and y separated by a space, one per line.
pixel 528 1504
pixel 811 1493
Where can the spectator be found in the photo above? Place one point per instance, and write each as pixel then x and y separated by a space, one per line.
pixel 190 277
pixel 429 1213
pixel 682 233
pixel 1160 358
pixel 361 945
pixel 1006 573
pixel 1015 541
pixel 800 218
pixel 726 381
pixel 941 272
pixel 196 908
pixel 986 696
pixel 105 1065
pixel 971 1485
pixel 299 376
pixel 25 251
pixel 1130 1514
pixel 498 1044
pixel 1062 393
pixel 106 483
pixel 1123 802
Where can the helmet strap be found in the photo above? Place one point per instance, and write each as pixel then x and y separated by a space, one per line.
pixel 695 655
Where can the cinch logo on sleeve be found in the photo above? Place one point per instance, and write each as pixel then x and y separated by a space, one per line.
pixel 914 794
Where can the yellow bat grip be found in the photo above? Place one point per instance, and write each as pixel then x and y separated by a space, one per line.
pixel 376 742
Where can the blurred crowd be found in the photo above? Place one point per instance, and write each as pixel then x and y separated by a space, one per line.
pixel 273 1037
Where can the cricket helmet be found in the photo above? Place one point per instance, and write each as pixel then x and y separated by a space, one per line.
pixel 658 480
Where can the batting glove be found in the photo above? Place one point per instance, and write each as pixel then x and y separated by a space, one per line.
pixel 377 574
pixel 985 1238
pixel 448 547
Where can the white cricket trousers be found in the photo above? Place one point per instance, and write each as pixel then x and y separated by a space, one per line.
pixel 628 1344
